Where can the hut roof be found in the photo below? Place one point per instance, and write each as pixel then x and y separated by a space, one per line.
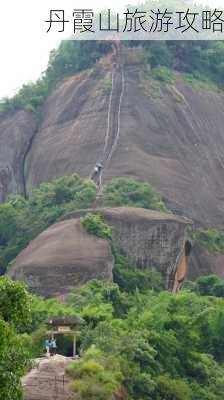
pixel 64 321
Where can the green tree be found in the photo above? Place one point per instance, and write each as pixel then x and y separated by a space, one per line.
pixel 14 357
pixel 14 360
pixel 172 389
pixel 15 303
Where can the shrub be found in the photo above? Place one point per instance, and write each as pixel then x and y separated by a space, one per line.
pixel 210 285
pixel 173 389
pixel 95 225
pixel 163 74
pixel 133 193
pixel 96 377
pixel 129 278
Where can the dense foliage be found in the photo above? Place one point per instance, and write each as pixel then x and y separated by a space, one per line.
pixel 137 342
pixel 129 277
pixel 201 59
pixel 15 303
pixel 210 239
pixel 96 376
pixel 21 220
pixel 210 285
pixel 133 193
pixel 143 343
pixel 159 346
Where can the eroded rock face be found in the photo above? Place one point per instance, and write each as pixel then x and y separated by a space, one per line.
pixel 16 133
pixel 174 140
pixel 149 239
pixel 72 133
pixel 65 256
pixel 62 257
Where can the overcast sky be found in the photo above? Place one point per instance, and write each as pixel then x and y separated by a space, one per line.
pixel 25 46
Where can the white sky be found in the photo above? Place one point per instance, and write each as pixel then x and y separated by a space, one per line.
pixel 24 44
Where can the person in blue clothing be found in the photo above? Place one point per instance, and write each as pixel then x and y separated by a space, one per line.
pixel 53 346
pixel 47 346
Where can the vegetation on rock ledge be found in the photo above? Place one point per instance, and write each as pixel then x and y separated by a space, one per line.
pixel 22 220
pixel 132 193
pixel 95 225
pixel 210 239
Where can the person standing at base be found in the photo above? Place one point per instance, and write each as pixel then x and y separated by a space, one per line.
pixel 53 346
pixel 47 346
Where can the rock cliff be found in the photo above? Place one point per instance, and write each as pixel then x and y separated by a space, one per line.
pixel 172 138
pixel 65 256
pixel 16 133
pixel 174 141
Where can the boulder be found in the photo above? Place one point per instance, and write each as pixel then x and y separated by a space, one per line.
pixel 62 257
pixel 65 255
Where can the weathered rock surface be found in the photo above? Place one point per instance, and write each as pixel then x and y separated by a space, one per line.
pixel 62 257
pixel 65 256
pixel 72 133
pixel 48 380
pixel 175 141
pixel 16 132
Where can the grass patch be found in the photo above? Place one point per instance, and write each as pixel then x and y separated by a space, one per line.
pixel 201 83
pixel 153 81
pixel 105 85
pixel 163 75
pixel 151 88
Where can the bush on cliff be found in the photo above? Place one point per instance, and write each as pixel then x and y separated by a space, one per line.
pixel 132 193
pixel 95 225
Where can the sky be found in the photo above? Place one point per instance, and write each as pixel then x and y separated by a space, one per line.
pixel 24 44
